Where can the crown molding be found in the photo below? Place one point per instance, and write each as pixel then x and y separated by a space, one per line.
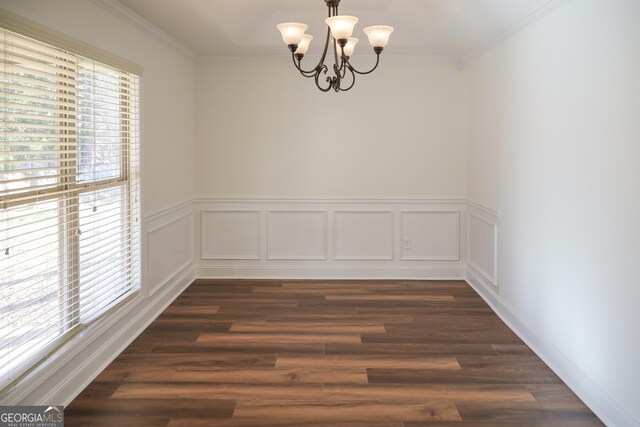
pixel 535 15
pixel 127 15
pixel 285 58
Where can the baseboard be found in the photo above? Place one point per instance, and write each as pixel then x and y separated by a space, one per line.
pixel 59 380
pixel 329 272
pixel 601 403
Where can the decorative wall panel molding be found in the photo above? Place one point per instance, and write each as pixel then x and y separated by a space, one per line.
pixel 230 234
pixel 324 238
pixel 363 235
pixel 482 255
pixel 169 247
pixel 430 235
pixel 296 235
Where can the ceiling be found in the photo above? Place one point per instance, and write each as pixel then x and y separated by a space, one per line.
pixel 450 28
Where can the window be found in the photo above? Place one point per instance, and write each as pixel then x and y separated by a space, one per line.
pixel 69 232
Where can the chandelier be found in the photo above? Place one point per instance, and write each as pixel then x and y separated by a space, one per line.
pixel 339 31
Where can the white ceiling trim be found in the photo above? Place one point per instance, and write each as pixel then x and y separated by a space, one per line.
pixel 313 59
pixel 545 9
pixel 127 15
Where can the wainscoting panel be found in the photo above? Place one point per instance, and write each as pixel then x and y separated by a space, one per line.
pixel 230 234
pixel 363 235
pixel 297 235
pixel 330 238
pixel 430 235
pixel 169 246
pixel 483 244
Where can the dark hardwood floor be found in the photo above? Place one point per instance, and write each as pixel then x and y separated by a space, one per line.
pixel 356 353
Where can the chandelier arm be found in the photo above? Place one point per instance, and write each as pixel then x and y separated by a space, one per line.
pixel 317 77
pixel 314 72
pixel 365 72
pixel 353 80
pixel 344 67
pixel 338 72
pixel 306 73
pixel 335 54
pixel 324 52
pixel 338 59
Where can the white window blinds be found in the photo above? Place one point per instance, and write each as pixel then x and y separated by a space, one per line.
pixel 69 229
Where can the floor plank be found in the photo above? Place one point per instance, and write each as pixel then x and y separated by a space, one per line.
pixel 309 327
pixel 436 348
pixel 292 391
pixel 248 347
pixel 195 360
pixel 475 369
pixel 388 297
pixel 364 362
pixel 329 411
pixel 144 407
pixel 326 338
pixel 279 422
pixel 276 376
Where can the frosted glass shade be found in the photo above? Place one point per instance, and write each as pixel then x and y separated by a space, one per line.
pixel 292 32
pixel 303 46
pixel 349 48
pixel 341 26
pixel 378 35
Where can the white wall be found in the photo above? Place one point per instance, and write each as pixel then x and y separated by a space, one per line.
pixel 554 147
pixel 265 131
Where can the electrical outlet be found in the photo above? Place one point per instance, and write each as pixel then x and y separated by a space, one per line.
pixel 406 243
